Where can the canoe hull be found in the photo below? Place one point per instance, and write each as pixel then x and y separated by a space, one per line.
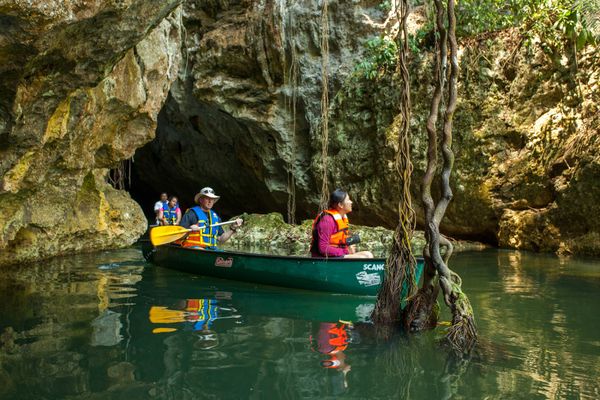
pixel 352 276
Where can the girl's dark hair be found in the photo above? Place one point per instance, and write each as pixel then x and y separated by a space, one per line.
pixel 172 197
pixel 337 196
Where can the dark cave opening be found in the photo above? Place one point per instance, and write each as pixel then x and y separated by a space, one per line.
pixel 199 145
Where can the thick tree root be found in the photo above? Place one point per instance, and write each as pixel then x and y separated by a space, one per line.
pixel 421 312
pixel 462 334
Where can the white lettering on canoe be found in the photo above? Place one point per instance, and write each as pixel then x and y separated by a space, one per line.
pixel 374 267
pixel 221 262
pixel 366 279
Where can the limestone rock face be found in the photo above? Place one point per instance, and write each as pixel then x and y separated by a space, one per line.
pixel 229 121
pixel 88 79
pixel 525 140
pixel 523 133
pixel 543 149
pixel 232 91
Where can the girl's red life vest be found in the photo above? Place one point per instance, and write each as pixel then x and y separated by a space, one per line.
pixel 338 239
pixel 332 339
pixel 338 337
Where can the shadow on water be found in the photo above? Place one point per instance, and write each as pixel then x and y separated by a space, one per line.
pixel 108 325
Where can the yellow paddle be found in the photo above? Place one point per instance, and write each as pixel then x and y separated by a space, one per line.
pixel 160 235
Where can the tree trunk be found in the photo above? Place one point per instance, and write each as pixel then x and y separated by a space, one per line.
pixel 421 313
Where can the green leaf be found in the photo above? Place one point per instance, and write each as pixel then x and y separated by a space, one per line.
pixel 582 39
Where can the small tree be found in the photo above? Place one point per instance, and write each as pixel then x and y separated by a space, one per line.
pixel 421 309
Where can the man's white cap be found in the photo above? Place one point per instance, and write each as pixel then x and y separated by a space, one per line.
pixel 206 192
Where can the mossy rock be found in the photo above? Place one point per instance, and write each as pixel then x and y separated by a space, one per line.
pixel 269 233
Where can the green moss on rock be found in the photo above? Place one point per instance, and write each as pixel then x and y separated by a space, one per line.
pixel 268 233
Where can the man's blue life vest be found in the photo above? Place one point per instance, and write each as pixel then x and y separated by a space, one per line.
pixel 206 237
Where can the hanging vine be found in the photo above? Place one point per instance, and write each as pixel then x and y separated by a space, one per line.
pixel 400 265
pixel 324 103
pixel 290 81
pixel 422 311
pixel 120 177
pixel 462 334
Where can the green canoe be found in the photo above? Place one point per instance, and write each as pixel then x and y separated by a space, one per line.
pixel 336 275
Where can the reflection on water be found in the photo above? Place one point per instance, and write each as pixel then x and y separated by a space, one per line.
pixel 108 325
pixel 332 340
pixel 194 314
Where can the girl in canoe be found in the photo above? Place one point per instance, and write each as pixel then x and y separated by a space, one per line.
pixel 170 214
pixel 330 230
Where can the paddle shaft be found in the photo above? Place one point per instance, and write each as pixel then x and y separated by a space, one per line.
pixel 213 225
pixel 219 224
pixel 165 234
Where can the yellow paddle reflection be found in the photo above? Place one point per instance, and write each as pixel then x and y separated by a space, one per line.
pixel 197 314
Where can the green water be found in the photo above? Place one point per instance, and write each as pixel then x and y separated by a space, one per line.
pixel 109 326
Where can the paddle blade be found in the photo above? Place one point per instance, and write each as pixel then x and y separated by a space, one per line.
pixel 166 234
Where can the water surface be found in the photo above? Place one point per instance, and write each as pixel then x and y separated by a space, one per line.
pixel 108 325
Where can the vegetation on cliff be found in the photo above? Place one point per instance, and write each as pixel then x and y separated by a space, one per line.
pixel 526 127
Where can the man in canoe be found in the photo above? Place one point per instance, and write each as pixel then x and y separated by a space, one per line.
pixel 159 205
pixel 330 230
pixel 201 220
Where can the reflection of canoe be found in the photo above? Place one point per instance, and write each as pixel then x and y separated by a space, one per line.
pixel 337 275
pixel 243 312
pixel 168 294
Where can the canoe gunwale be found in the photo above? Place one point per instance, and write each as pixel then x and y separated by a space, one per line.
pixel 275 256
pixel 291 258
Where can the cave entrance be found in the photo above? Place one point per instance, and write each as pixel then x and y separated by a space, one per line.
pixel 126 177
pixel 186 155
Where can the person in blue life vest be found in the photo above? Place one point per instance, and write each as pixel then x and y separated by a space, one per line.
pixel 159 205
pixel 170 214
pixel 202 313
pixel 201 218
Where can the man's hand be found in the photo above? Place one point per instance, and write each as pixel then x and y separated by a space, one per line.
pixel 195 228
pixel 238 223
pixel 229 233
